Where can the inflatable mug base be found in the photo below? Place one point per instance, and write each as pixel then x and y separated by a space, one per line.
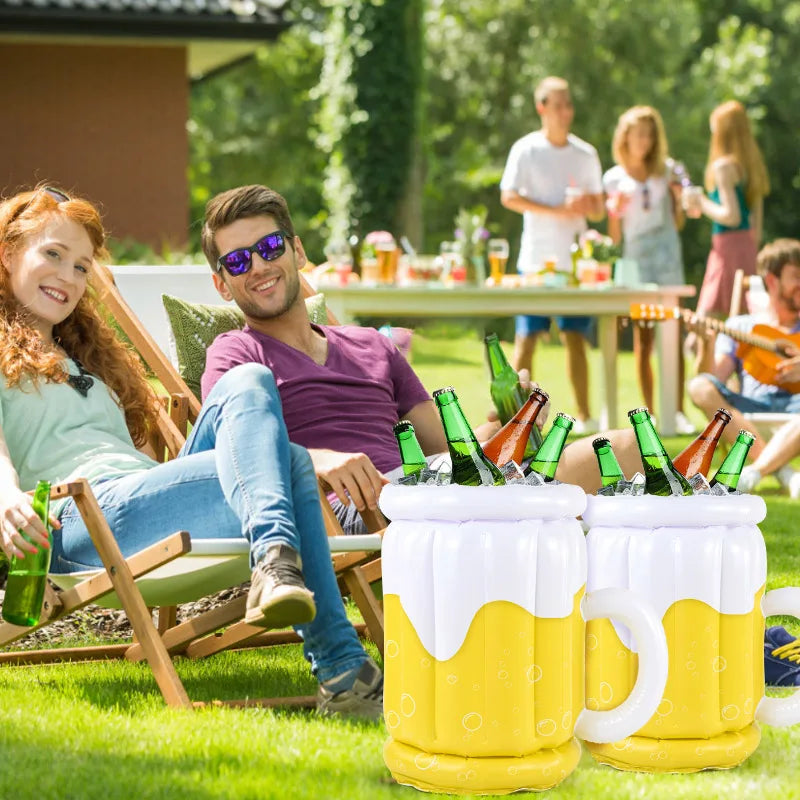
pixel 643 754
pixel 439 772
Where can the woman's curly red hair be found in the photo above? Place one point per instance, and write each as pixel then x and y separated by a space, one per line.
pixel 85 334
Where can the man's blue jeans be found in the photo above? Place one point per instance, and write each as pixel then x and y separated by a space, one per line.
pixel 237 475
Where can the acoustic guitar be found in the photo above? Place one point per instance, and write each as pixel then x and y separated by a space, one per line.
pixel 760 350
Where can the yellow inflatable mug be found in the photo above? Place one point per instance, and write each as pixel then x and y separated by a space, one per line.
pixel 485 636
pixel 701 563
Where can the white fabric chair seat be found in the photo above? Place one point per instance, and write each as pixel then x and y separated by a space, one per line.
pixel 212 565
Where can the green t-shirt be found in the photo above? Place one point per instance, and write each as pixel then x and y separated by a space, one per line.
pixel 56 434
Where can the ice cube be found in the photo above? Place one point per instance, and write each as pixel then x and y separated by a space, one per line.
pixel 699 484
pixel 512 472
pixel 408 480
pixel 623 487
pixel 606 491
pixel 534 479
pixel 444 475
pixel 427 476
pixel 638 479
pixel 719 489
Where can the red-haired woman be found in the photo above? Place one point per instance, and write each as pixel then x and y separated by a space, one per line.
pixel 74 402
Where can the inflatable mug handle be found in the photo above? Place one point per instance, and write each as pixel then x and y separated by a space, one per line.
pixel 780 711
pixel 645 697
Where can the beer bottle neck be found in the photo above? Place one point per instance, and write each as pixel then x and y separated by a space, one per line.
pixel 731 468
pixel 410 452
pixel 610 470
pixel 545 462
pixel 498 363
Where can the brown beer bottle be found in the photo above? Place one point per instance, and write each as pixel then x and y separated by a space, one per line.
pixel 696 458
pixel 509 443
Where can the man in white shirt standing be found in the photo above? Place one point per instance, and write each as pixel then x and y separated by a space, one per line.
pixel 554 179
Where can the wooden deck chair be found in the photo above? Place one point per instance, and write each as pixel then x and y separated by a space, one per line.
pixel 750 296
pixel 356 568
pixel 151 578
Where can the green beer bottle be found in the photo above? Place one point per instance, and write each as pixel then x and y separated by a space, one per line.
pixel 410 451
pixel 470 465
pixel 660 476
pixel 610 470
pixel 546 459
pixel 731 468
pixel 504 387
pixel 27 576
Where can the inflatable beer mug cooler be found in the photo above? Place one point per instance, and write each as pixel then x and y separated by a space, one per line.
pixel 485 638
pixel 701 562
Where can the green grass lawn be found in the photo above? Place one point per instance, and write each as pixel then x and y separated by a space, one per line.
pixel 88 731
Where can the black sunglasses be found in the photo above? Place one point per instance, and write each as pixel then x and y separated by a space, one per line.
pixel 269 247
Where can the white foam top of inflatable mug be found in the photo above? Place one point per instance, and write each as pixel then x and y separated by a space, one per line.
pixel 445 570
pixel 667 556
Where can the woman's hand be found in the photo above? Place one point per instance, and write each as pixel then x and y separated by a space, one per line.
pixel 17 517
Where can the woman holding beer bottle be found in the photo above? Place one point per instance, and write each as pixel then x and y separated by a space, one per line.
pixel 74 402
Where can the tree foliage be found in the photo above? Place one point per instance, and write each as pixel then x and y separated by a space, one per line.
pixel 328 114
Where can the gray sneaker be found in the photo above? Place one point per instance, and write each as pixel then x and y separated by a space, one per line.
pixel 363 699
pixel 278 595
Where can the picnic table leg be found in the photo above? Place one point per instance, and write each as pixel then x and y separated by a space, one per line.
pixel 668 342
pixel 607 342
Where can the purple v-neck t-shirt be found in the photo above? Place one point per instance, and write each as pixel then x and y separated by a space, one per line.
pixel 349 404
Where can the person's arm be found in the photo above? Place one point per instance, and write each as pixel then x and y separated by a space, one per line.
pixel 351 474
pixel 727 211
pixel 16 512
pixel 514 201
pixel 757 220
pixel 615 228
pixel 675 196
pixel 594 207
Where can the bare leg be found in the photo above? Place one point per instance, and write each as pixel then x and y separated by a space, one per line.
pixel 642 349
pixel 704 362
pixel 706 397
pixel 681 379
pixel 577 370
pixel 780 449
pixel 578 463
pixel 524 348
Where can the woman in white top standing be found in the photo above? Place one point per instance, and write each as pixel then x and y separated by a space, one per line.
pixel 644 212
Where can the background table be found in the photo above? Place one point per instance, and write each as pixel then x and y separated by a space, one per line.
pixel 435 301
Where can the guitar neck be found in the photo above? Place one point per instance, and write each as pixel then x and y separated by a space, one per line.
pixel 762 342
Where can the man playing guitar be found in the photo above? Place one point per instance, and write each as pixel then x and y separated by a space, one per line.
pixel 768 380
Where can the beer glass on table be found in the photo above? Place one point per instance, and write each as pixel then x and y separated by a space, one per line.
pixel 340 257
pixel 498 258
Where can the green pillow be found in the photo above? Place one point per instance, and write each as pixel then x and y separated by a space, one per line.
pixel 194 326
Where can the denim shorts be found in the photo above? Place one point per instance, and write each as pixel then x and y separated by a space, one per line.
pixel 779 402
pixel 528 325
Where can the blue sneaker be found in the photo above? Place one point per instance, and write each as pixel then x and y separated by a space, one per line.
pixel 781 657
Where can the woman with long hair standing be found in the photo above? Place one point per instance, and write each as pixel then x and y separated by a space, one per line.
pixel 737 182
pixel 644 212
pixel 74 402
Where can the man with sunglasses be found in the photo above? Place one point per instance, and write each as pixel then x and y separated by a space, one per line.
pixel 342 388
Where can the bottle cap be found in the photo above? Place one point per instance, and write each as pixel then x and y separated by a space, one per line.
pixel 566 418
pixel 750 435
pixel 490 337
pixel 445 390
pixel 541 393
pixel 724 412
pixel 639 411
pixel 599 442
pixel 403 425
